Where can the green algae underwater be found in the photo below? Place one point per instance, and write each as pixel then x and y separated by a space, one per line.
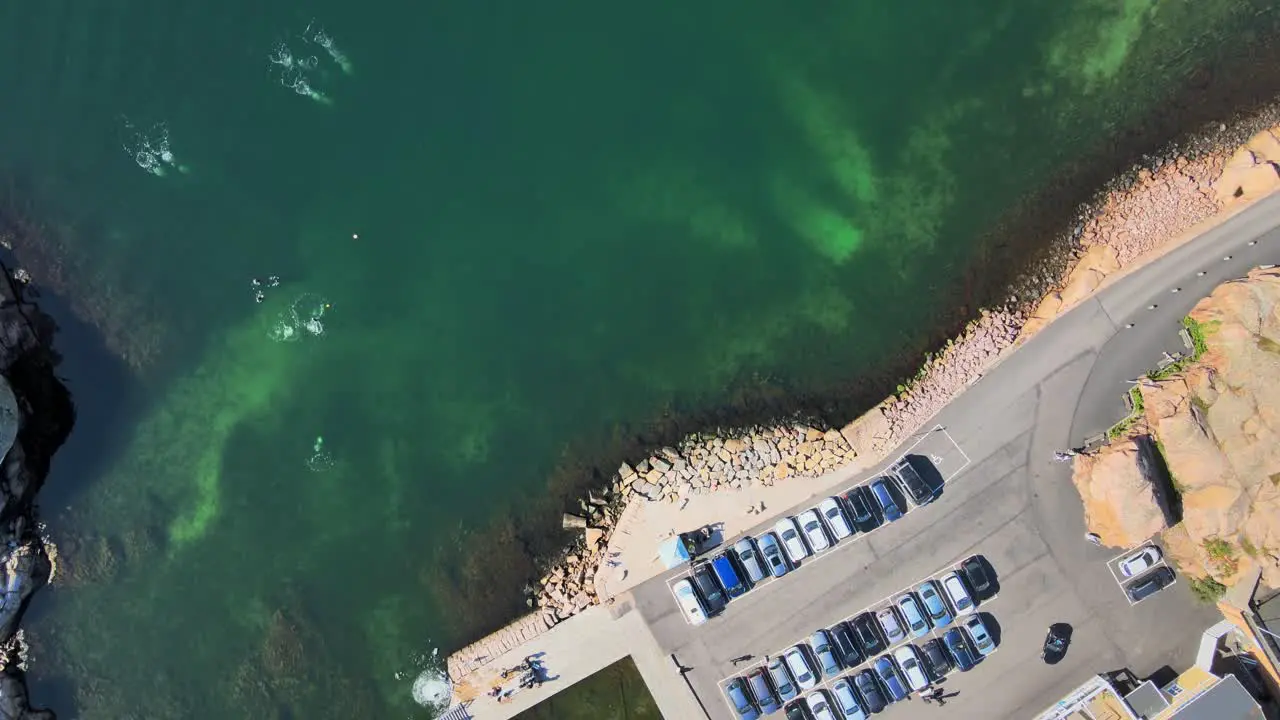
pixel 509 230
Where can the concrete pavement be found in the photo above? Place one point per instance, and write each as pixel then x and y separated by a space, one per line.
pixel 1012 505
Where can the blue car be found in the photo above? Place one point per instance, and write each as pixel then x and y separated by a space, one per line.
pixel 881 490
pixel 740 700
pixel 890 678
pixel 780 676
pixel 959 648
pixel 728 576
pixel 917 625
pixel 934 606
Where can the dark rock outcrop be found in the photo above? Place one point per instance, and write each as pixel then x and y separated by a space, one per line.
pixel 36 416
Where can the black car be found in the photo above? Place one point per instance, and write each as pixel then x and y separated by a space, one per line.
pixel 866 633
pixel 975 572
pixel 869 689
pixel 912 484
pixel 845 645
pixel 798 711
pixel 861 507
pixel 935 659
pixel 1150 584
pixel 709 588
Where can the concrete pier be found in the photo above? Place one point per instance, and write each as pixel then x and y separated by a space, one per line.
pixel 574 650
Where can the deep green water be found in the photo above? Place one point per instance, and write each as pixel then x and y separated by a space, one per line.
pixel 571 217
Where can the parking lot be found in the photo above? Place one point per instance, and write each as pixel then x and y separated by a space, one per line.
pixel 934 454
pixel 1123 582
pixel 983 608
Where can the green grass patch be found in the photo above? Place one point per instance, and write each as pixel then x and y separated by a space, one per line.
pixel 1207 590
pixel 1221 554
pixel 1173 479
pixel 1135 400
pixel 1266 344
pixel 1275 479
pixel 1198 330
pixel 1247 546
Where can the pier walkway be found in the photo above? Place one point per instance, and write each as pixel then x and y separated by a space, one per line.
pixel 578 648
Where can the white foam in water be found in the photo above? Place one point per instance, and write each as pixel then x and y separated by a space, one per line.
pixel 151 150
pixel 296 73
pixel 302 319
pixel 326 42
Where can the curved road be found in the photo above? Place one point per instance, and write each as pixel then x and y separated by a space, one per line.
pixel 1011 504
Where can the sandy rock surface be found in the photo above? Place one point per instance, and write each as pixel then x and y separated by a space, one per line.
pixel 1120 500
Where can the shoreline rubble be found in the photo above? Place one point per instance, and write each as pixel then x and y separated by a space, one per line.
pixel 1151 211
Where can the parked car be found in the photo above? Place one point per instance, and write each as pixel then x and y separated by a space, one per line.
pixel 834 517
pixel 740 699
pixel 975 572
pixel 814 534
pixel 771 551
pixel 781 678
pixel 861 506
pixel 798 711
pixel 982 640
pixel 1150 584
pixel 847 700
pixel 912 484
pixel 727 576
pixel 758 681
pixel 908 659
pixel 869 689
pixel 1140 561
pixel 890 678
pixel 822 650
pixel 888 619
pixel 804 673
pixel 957 593
pixel 846 645
pixel 791 542
pixel 689 602
pixel 867 632
pixel 819 706
pixel 749 560
pixel 934 606
pixel 935 659
pixel 958 647
pixel 917 625
pixel 889 509
pixel 704 580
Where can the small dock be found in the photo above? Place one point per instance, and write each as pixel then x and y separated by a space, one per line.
pixel 574 650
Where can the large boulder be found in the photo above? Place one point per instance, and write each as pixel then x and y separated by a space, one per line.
pixel 1121 503
pixel 1219 427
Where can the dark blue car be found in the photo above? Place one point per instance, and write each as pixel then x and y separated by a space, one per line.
pixel 959 648
pixel 728 576
pixel 881 489
pixel 891 678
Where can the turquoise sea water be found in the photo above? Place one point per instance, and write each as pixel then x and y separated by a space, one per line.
pixel 501 230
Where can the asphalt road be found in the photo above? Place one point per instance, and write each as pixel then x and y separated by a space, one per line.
pixel 1011 504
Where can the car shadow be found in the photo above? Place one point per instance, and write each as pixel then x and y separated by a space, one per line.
pixel 993 627
pixel 928 472
pixel 994 577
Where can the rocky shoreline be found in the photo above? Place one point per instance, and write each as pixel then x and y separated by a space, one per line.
pixel 1142 214
pixel 36 416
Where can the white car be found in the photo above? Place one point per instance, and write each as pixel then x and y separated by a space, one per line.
pixel 847 700
pixel 800 669
pixel 818 706
pixel 689 602
pixel 837 523
pixel 1140 561
pixel 957 593
pixel 909 660
pixel 813 532
pixel 791 542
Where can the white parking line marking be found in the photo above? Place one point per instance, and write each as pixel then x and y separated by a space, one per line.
pixel 848 672
pixel 911 507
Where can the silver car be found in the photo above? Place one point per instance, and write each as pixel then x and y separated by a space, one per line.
pixel 814 534
pixel 909 660
pixel 821 644
pixel 888 619
pixel 689 602
pixel 1140 561
pixel 957 593
pixel 837 523
pixel 847 700
pixel 749 559
pixel 800 668
pixel 791 542
pixel 772 553
pixel 818 706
